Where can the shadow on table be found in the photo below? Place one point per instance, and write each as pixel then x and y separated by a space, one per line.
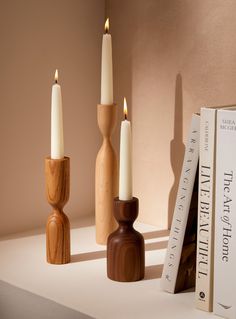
pixel 78 223
pixel 156 234
pixel 93 255
pixel 156 246
pixel 88 256
pixel 153 272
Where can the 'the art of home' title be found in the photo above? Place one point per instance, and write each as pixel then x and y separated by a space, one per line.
pixel 226 216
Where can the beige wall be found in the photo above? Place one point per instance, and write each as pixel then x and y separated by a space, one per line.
pixel 170 58
pixel 36 37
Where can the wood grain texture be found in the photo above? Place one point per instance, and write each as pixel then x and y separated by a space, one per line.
pixel 106 176
pixel 125 247
pixel 57 172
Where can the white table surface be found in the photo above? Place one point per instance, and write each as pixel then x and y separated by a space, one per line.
pixel 83 285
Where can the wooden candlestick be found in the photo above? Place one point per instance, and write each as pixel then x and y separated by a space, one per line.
pixel 125 247
pixel 57 173
pixel 106 180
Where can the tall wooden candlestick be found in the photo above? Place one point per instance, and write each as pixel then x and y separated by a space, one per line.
pixel 106 184
pixel 125 247
pixel 57 173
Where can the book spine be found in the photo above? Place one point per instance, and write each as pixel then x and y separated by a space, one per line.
pixel 206 208
pixel 182 205
pixel 225 219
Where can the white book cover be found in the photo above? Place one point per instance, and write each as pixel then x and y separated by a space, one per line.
pixel 206 211
pixel 182 206
pixel 224 303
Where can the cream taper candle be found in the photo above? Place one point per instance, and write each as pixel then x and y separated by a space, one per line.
pixel 57 139
pixel 106 71
pixel 125 180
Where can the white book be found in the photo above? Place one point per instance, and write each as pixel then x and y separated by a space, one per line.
pixel 224 303
pixel 182 206
pixel 206 210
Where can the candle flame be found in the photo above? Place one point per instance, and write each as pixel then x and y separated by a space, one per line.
pixel 107 25
pixel 56 76
pixel 125 108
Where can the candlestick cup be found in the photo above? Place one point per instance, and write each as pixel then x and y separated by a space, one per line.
pixel 57 173
pixel 125 247
pixel 106 181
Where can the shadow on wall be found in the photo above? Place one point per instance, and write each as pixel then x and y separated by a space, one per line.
pixel 177 146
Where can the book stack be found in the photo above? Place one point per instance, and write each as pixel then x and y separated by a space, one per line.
pixel 201 251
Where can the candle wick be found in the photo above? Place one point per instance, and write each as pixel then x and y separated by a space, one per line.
pixel 125 116
pixel 56 81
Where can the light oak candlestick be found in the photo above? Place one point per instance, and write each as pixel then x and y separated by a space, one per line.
pixel 106 184
pixel 57 173
pixel 125 246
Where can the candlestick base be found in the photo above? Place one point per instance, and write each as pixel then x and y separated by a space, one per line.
pixel 57 173
pixel 125 247
pixel 106 181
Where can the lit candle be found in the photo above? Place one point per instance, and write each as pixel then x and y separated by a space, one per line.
pixel 125 182
pixel 106 72
pixel 57 140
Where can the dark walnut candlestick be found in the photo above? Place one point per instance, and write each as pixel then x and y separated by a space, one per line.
pixel 106 181
pixel 57 173
pixel 125 247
